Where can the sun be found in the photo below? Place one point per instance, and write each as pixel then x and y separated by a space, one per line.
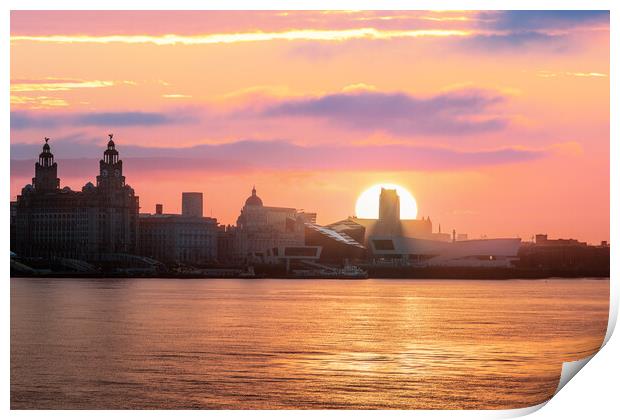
pixel 367 205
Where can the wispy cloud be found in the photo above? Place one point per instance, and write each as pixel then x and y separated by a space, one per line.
pixel 549 74
pixel 229 38
pixel 590 74
pixel 21 120
pixel 175 96
pixel 38 102
pixel 52 85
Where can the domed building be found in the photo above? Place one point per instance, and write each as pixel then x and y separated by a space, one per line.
pixel 253 200
pixel 262 228
pixel 50 221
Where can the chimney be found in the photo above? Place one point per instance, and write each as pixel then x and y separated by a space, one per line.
pixel 159 208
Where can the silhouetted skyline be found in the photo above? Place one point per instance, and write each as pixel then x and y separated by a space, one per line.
pixel 500 125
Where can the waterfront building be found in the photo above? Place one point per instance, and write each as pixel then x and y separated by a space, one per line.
pixel 261 228
pixel 390 240
pixel 568 255
pixel 501 252
pixel 336 247
pixel 389 213
pixel 362 229
pixel 389 223
pixel 543 240
pixel 49 221
pixel 178 238
pixel 226 244
pixel 191 204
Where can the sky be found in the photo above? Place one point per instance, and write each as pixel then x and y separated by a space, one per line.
pixel 496 121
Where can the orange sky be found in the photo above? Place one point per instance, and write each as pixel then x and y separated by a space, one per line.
pixel 497 122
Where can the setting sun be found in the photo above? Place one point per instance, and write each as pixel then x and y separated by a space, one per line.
pixel 367 205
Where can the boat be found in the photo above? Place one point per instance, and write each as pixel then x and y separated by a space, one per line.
pixel 347 272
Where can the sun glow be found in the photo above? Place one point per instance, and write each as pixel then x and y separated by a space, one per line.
pixel 367 205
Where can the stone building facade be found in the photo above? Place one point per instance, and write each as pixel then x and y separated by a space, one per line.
pixel 49 221
pixel 178 239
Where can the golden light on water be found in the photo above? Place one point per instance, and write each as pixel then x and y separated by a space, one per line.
pixel 367 205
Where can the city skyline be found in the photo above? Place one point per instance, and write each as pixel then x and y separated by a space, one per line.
pixel 473 145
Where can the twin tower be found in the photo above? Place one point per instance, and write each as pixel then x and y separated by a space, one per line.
pixel 110 170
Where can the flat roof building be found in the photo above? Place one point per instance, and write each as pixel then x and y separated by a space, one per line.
pixel 178 239
pixel 192 204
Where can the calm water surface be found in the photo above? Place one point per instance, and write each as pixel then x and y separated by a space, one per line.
pixel 165 343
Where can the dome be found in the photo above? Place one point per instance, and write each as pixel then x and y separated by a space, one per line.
pixel 28 188
pixel 254 200
pixel 89 186
pixel 66 189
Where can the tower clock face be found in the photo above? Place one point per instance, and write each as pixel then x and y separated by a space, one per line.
pixel 117 173
pixel 104 172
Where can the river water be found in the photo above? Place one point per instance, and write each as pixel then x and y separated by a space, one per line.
pixel 266 344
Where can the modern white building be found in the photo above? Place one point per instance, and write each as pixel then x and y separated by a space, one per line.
pixel 425 253
pixel 392 241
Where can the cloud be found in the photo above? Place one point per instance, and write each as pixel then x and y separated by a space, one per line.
pixel 549 74
pixel 510 41
pixel 230 38
pixel 38 102
pixel 175 96
pixel 543 20
pixel 123 119
pixel 537 30
pixel 448 113
pixel 281 155
pixel 21 120
pixel 54 85
pixel 77 145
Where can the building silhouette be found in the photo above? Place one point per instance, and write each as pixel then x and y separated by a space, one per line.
pixel 49 221
pixel 389 212
pixel 191 204
pixel 261 228
pixel 389 206
pixel 179 238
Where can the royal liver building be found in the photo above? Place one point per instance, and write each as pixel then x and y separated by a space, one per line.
pixel 49 221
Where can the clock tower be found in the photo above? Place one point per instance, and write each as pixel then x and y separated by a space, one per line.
pixel 110 169
pixel 46 171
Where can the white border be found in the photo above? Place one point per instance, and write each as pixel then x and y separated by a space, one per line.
pixel 593 394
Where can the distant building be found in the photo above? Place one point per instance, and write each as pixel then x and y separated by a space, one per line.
pixel 569 255
pixel 389 205
pixel 192 204
pixel 543 240
pixel 501 252
pixel 336 247
pixel 391 240
pixel 178 239
pixel 261 228
pixel 461 237
pixel 362 229
pixel 99 220
pixel 226 253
